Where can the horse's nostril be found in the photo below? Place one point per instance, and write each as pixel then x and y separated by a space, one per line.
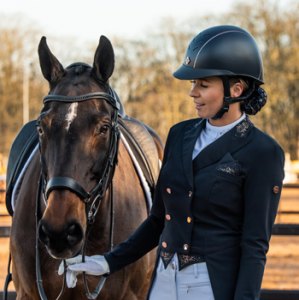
pixel 72 240
pixel 72 229
pixel 74 234
pixel 43 235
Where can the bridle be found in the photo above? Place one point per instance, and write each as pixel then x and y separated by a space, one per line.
pixel 92 198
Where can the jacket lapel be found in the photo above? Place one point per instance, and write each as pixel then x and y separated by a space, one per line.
pixel 190 136
pixel 230 142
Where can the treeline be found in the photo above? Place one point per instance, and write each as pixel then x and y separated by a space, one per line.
pixel 143 75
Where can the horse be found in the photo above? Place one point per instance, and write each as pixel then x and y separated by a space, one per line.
pixel 83 190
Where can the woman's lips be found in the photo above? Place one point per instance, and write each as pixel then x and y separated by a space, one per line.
pixel 199 106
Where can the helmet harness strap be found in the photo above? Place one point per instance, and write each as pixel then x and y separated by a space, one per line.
pixel 226 99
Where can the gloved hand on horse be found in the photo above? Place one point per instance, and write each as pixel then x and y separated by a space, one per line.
pixel 93 265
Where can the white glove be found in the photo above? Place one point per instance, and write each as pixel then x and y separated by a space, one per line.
pixel 93 265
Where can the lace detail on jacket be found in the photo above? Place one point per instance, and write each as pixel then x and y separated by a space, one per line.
pixel 184 259
pixel 166 258
pixel 232 168
pixel 243 127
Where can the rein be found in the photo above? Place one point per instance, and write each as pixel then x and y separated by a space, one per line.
pixel 92 198
pixel 93 295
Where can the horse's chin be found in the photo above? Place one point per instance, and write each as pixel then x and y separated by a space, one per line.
pixel 65 254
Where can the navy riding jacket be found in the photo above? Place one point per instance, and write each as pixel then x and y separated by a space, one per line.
pixel 221 205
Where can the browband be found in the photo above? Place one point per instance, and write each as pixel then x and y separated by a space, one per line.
pixel 97 95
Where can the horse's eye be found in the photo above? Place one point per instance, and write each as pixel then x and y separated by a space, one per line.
pixel 39 130
pixel 103 129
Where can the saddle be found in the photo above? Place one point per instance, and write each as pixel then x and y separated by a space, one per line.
pixel 20 151
pixel 135 133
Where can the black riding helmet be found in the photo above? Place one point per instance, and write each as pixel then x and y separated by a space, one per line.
pixel 224 51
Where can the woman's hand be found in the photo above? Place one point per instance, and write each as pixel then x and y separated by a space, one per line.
pixel 93 265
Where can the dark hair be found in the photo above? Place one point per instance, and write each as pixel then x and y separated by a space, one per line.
pixel 254 96
pixel 254 103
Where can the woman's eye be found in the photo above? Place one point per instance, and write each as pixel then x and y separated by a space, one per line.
pixel 195 83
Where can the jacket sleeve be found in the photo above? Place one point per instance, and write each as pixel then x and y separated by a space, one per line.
pixel 261 197
pixel 144 239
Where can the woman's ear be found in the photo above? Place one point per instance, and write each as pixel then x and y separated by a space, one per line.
pixel 236 89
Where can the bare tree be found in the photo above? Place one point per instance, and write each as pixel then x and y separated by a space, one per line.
pixel 276 30
pixel 143 76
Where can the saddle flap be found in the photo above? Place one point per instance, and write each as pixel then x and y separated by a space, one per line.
pixel 22 147
pixel 144 148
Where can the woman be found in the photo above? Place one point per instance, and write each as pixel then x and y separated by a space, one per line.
pixel 219 186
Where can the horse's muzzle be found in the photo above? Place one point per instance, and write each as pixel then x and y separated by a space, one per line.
pixel 61 243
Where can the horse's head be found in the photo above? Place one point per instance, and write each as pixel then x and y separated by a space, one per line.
pixel 78 145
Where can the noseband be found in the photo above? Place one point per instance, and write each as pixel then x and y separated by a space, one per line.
pixel 93 197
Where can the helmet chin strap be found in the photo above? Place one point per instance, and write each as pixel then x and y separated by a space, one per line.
pixel 226 99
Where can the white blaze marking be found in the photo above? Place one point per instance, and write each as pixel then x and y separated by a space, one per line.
pixel 71 115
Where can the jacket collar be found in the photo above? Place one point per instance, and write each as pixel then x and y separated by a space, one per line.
pixel 230 142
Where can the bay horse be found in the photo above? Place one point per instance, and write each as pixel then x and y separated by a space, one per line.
pixel 81 191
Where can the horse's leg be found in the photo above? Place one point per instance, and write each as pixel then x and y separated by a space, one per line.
pixel 24 281
pixel 22 238
pixel 21 294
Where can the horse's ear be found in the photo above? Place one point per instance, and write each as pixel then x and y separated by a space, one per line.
pixel 103 64
pixel 51 68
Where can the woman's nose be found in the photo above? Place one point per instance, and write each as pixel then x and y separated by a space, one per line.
pixel 193 91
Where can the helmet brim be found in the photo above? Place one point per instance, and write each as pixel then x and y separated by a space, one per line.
pixel 188 73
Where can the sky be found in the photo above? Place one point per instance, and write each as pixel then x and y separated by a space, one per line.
pixel 90 18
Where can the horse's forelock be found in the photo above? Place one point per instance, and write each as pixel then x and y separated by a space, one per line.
pixel 80 68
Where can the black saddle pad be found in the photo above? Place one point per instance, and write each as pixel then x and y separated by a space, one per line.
pixel 20 151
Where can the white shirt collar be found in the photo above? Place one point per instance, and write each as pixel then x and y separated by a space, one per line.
pixel 225 128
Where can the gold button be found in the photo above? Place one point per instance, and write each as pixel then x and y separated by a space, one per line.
pixel 185 247
pixel 276 189
pixel 190 194
pixel 168 190
pixel 189 220
pixel 168 217
pixel 164 244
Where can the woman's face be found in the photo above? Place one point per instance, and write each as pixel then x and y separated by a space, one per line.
pixel 207 94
